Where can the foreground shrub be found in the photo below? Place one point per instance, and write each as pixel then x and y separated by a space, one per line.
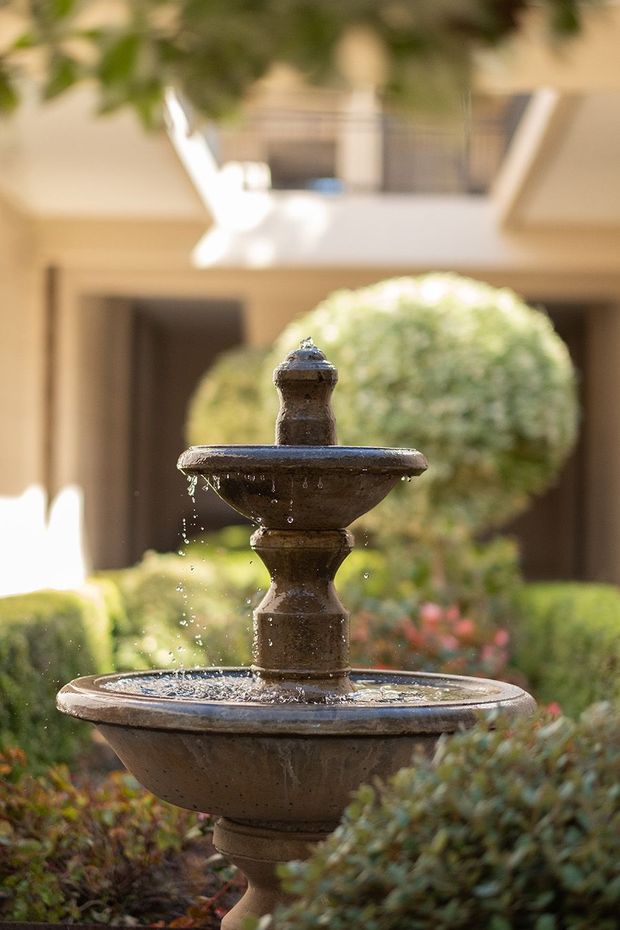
pixel 46 639
pixel 567 642
pixel 517 829
pixel 90 854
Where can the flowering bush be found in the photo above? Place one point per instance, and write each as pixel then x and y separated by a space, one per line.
pixel 428 638
pixel 77 854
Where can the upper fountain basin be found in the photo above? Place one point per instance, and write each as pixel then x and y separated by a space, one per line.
pixel 302 487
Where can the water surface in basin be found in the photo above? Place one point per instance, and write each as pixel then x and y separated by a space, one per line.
pixel 240 689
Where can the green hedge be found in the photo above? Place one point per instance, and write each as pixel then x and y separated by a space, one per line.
pixel 47 638
pixel 196 610
pixel 566 641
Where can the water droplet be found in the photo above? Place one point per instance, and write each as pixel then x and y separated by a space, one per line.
pixel 180 587
pixel 366 575
pixel 320 483
pixel 289 519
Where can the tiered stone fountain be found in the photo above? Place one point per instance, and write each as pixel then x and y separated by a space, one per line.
pixel 276 749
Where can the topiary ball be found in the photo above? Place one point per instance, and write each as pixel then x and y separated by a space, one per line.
pixel 513 829
pixel 226 407
pixel 469 374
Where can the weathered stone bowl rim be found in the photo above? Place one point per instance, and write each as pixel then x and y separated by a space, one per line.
pixel 214 460
pixel 88 699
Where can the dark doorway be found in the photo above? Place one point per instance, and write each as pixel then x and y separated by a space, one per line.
pixel 551 533
pixel 173 344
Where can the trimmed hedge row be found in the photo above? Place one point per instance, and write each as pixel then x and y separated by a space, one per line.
pixel 566 641
pixel 46 639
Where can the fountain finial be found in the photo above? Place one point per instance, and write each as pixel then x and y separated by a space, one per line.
pixel 305 381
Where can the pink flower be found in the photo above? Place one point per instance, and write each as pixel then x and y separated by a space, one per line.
pixel 465 628
pixel 411 634
pixel 554 709
pixel 453 613
pixel 430 613
pixel 501 638
pixel 449 642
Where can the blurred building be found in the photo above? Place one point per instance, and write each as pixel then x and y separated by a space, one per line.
pixel 127 263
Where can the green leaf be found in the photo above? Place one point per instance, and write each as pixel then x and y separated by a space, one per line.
pixel 546 922
pixel 64 72
pixel 118 63
pixel 62 8
pixel 8 94
pixel 26 40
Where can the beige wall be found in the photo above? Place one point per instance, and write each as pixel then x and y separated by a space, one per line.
pixel 21 341
pixel 23 531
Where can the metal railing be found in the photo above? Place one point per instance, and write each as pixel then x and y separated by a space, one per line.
pixel 303 147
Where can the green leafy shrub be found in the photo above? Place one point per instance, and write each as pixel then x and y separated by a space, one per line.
pixel 467 373
pixel 46 639
pixel 180 611
pixel 84 854
pixel 225 407
pixel 512 829
pixel 567 642
pixel 479 578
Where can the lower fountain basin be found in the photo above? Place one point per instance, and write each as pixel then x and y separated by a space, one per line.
pixel 289 762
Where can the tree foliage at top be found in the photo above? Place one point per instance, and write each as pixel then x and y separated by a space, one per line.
pixel 214 51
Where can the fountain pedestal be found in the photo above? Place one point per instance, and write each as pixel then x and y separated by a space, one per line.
pixel 276 750
pixel 258 852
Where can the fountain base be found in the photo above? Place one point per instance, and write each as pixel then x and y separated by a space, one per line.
pixel 278 774
pixel 258 851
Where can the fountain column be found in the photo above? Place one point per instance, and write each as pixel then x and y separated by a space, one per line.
pixel 301 629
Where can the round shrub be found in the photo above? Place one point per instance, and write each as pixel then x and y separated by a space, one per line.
pixel 513 829
pixel 226 406
pixel 469 374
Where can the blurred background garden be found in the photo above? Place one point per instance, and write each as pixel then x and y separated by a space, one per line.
pixel 186 192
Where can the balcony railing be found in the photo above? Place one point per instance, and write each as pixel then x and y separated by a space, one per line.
pixel 337 151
